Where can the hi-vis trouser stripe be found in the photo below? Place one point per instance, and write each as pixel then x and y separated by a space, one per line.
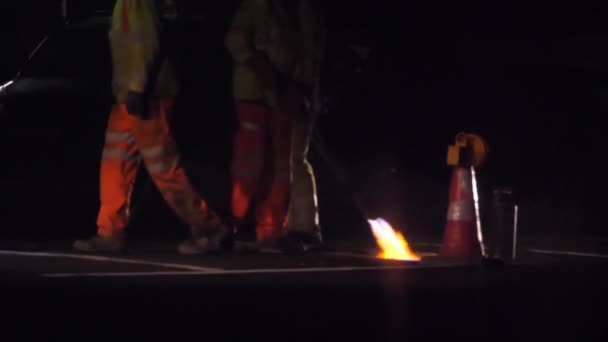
pixel 122 153
pixel 115 153
pixel 163 166
pixel 160 158
pixel 153 152
pixel 250 126
pixel 117 137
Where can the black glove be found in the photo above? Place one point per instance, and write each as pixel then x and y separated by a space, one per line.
pixel 137 105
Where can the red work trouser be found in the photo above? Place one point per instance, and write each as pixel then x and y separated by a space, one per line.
pixel 129 139
pixel 260 168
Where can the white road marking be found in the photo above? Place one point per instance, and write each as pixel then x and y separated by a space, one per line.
pixel 371 257
pixel 581 254
pixel 229 272
pixel 352 255
pixel 109 259
pixel 122 274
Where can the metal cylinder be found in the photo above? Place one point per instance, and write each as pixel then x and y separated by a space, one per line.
pixel 504 233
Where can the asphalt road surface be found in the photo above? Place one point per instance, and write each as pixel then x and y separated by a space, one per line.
pixel 150 292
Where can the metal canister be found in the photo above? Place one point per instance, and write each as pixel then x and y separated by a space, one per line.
pixel 503 244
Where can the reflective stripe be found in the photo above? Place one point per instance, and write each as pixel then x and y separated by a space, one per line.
pixel 161 167
pixel 156 168
pixel 120 137
pixel 461 211
pixel 153 152
pixel 464 184
pixel 250 126
pixel 114 153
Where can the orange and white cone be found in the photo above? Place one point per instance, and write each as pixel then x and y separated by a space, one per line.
pixel 462 237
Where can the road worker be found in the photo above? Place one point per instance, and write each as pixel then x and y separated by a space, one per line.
pixel 276 46
pixel 145 87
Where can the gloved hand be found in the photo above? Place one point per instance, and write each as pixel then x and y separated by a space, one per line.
pixel 137 105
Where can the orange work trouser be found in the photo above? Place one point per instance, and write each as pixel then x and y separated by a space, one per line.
pixel 130 139
pixel 260 168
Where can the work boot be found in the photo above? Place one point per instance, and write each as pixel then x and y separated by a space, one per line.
pixel 296 242
pixel 246 247
pixel 241 245
pixel 113 244
pixel 270 245
pixel 213 237
pixel 264 246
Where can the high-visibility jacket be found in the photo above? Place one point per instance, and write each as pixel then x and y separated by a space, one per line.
pixel 266 26
pixel 135 40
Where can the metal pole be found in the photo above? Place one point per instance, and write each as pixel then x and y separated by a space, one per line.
pixel 504 230
pixel 64 10
pixel 515 217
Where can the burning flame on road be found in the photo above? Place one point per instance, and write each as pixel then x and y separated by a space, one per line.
pixel 393 244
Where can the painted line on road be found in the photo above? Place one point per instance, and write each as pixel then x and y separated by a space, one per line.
pixel 110 259
pixel 581 254
pixel 228 272
pixel 372 257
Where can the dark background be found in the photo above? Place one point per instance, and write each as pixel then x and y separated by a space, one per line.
pixel 401 79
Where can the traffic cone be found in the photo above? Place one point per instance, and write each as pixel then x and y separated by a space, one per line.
pixel 462 238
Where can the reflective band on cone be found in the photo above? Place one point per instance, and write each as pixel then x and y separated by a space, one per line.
pixel 461 238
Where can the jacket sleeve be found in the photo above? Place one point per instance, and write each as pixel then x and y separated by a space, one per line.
pixel 135 36
pixel 239 40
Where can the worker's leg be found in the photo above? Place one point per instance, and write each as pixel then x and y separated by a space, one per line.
pixel 303 217
pixel 119 163
pixel 248 157
pixel 272 208
pixel 161 158
pixel 118 169
pixel 264 227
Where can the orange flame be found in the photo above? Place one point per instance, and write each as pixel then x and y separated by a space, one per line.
pixel 393 244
